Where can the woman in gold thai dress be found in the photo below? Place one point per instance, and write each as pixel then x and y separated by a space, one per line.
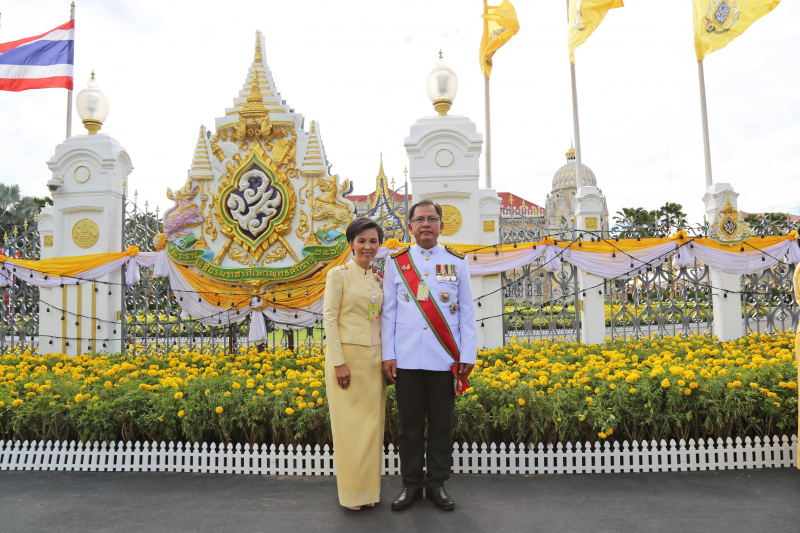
pixel 354 381
pixel 796 281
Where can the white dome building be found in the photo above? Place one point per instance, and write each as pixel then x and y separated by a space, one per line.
pixel 560 203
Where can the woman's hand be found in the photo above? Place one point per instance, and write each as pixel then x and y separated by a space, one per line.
pixel 343 376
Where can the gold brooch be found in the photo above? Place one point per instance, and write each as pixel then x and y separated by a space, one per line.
pixel 444 296
pixel 453 308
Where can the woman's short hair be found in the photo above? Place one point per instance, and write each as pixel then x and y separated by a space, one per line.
pixel 360 225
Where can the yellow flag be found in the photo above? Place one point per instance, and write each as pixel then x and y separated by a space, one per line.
pixel 718 22
pixel 500 24
pixel 584 17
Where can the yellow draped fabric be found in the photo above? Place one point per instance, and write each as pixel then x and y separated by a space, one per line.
pixel 500 24
pixel 718 22
pixel 287 296
pixel 584 17
pixel 70 266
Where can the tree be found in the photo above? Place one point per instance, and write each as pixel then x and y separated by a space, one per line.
pixel 15 209
pixel 670 214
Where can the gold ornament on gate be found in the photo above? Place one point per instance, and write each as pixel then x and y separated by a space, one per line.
pixel 729 227
pixel 452 220
pixel 85 233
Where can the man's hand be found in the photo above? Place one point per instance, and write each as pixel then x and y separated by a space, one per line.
pixel 390 370
pixel 464 370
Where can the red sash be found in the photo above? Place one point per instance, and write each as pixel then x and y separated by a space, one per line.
pixel 433 316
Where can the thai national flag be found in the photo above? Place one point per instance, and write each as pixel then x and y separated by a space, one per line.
pixel 40 62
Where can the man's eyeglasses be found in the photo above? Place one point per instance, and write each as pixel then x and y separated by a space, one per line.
pixel 420 220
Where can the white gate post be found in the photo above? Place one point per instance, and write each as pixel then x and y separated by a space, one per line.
pixel 728 324
pixel 444 166
pixel 588 214
pixel 89 176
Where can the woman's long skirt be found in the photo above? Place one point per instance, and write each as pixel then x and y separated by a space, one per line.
pixel 357 421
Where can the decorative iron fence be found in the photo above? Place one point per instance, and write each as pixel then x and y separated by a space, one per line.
pixel 19 312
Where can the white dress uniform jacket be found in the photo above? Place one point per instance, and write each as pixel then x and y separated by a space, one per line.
pixel 405 335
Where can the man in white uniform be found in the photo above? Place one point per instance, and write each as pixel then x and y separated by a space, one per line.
pixel 426 352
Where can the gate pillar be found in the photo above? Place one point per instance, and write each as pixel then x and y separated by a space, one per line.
pixel 728 321
pixel 88 184
pixel 444 166
pixel 588 214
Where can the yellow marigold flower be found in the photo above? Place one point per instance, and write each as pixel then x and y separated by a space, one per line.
pixel 521 401
pixel 289 411
pixel 729 385
pixel 178 395
pixel 475 398
pixel 277 392
pixel 107 384
pixel 180 413
pixel 219 410
pixel 693 385
pixel 665 383
pixel 227 393
pixel 79 398
pixel 681 382
pixel 260 392
pixel 632 390
pixel 320 401
pixel 589 400
pixel 777 404
pixel 208 391
pixel 17 403
pixel 581 418
pixel 601 435
pixel 687 392
pixel 612 386
pixel 236 385
pixel 609 432
pixel 597 390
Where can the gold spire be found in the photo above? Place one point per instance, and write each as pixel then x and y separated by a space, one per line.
pixel 258 58
pixel 312 162
pixel 201 166
pixel 254 108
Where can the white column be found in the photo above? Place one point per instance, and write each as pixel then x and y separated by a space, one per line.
pixel 444 166
pixel 728 323
pixel 588 214
pixel 89 173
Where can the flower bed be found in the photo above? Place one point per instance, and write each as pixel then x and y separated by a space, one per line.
pixel 677 387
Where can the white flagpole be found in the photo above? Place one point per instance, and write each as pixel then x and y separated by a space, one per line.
pixel 575 124
pixel 704 113
pixel 488 134
pixel 69 91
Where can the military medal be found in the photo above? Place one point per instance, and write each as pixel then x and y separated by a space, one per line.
pixel 453 308
pixel 444 296
pixel 439 273
pixel 406 295
pixel 454 270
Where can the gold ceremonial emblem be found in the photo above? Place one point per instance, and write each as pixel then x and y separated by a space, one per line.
pixel 85 233
pixel 48 241
pixel 488 226
pixel 591 222
pixel 82 174
pixel 453 308
pixel 452 220
pixel 729 227
pixel 444 296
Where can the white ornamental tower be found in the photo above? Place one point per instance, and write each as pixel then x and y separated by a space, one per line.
pixel 444 166
pixel 89 181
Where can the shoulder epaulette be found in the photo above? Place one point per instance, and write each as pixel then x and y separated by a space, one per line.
pixel 460 255
pixel 401 251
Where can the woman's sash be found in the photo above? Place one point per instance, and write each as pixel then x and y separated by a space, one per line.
pixel 433 315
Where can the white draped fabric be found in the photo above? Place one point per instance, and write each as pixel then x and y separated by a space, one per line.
pixel 481 263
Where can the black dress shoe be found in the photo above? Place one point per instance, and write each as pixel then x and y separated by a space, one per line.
pixel 406 499
pixel 440 498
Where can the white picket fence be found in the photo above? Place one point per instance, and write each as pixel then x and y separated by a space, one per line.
pixel 771 452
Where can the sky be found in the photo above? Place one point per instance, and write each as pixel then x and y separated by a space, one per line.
pixel 359 68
